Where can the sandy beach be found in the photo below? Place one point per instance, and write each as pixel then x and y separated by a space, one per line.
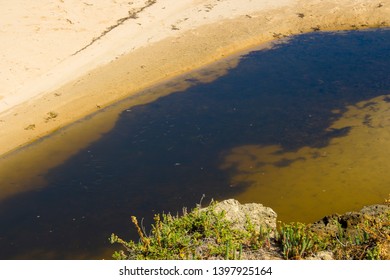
pixel 63 59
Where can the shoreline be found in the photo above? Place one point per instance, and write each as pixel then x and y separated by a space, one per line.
pixel 58 102
pixel 356 235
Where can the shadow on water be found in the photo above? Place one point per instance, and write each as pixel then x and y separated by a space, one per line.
pixel 166 154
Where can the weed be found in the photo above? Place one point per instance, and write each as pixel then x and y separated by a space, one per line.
pixel 206 234
pixel 368 240
pixel 200 234
pixel 258 238
pixel 297 241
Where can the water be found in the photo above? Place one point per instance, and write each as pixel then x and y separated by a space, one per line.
pixel 302 128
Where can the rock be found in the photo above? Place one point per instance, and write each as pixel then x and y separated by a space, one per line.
pixel 348 221
pixel 374 210
pixel 238 213
pixel 323 255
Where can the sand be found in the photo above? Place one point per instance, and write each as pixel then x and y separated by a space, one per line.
pixel 62 60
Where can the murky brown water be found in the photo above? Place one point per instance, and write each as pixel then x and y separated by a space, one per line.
pixel 307 183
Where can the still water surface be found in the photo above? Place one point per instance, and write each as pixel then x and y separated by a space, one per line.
pixel 303 127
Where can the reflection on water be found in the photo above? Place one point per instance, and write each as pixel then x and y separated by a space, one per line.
pixel 300 128
pixel 347 173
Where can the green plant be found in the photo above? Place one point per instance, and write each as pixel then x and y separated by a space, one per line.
pixel 369 239
pixel 258 238
pixel 298 241
pixel 208 234
pixel 202 233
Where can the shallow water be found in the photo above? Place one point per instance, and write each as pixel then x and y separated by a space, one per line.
pixel 302 128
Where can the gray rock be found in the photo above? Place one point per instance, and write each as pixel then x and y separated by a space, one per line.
pixel 238 213
pixel 375 210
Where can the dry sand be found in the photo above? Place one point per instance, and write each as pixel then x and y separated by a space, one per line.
pixel 62 60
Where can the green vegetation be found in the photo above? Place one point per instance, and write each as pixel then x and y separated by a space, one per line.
pixel 200 234
pixel 297 241
pixel 368 240
pixel 206 234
